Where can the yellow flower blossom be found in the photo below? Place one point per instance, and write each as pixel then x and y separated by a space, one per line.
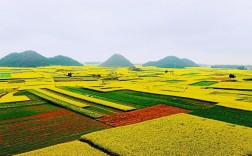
pixel 94 100
pixel 180 134
pixel 76 103
pixel 11 98
pixel 68 149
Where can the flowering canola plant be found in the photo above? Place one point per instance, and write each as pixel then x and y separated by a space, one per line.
pixel 11 98
pixel 76 103
pixel 180 134
pixel 94 100
pixel 69 148
pixel 150 79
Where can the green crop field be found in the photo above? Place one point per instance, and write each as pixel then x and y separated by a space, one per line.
pixel 204 83
pixel 174 81
pixel 234 116
pixel 5 75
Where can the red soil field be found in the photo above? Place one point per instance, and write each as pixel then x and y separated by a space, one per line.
pixel 19 135
pixel 141 115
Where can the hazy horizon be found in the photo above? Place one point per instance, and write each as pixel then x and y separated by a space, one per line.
pixel 207 32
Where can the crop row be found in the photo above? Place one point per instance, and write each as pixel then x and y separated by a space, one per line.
pixel 101 109
pixel 44 129
pixel 62 98
pixel 8 114
pixel 21 104
pixel 142 99
pixel 94 100
pixel 36 120
pixel 66 105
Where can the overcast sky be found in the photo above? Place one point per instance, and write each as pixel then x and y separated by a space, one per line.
pixel 206 31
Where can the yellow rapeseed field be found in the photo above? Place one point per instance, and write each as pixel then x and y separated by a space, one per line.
pixel 150 79
pixel 11 98
pixel 73 148
pixel 180 134
pixel 76 103
pixel 94 100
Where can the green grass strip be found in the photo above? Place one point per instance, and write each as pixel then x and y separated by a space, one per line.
pixel 190 74
pixel 174 81
pixel 204 83
pixel 234 116
pixel 21 104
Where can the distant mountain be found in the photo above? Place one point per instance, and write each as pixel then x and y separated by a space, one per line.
pixel 117 60
pixel 242 67
pixel 64 61
pixel 172 62
pixel 33 59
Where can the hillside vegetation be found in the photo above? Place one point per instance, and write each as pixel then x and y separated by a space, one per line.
pixel 33 59
pixel 172 62
pixel 117 60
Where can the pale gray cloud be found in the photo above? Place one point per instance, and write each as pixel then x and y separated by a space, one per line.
pixel 206 31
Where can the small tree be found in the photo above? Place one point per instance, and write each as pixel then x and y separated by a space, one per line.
pixel 69 74
pixel 232 76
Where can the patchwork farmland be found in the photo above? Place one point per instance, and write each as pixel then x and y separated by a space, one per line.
pixel 42 107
